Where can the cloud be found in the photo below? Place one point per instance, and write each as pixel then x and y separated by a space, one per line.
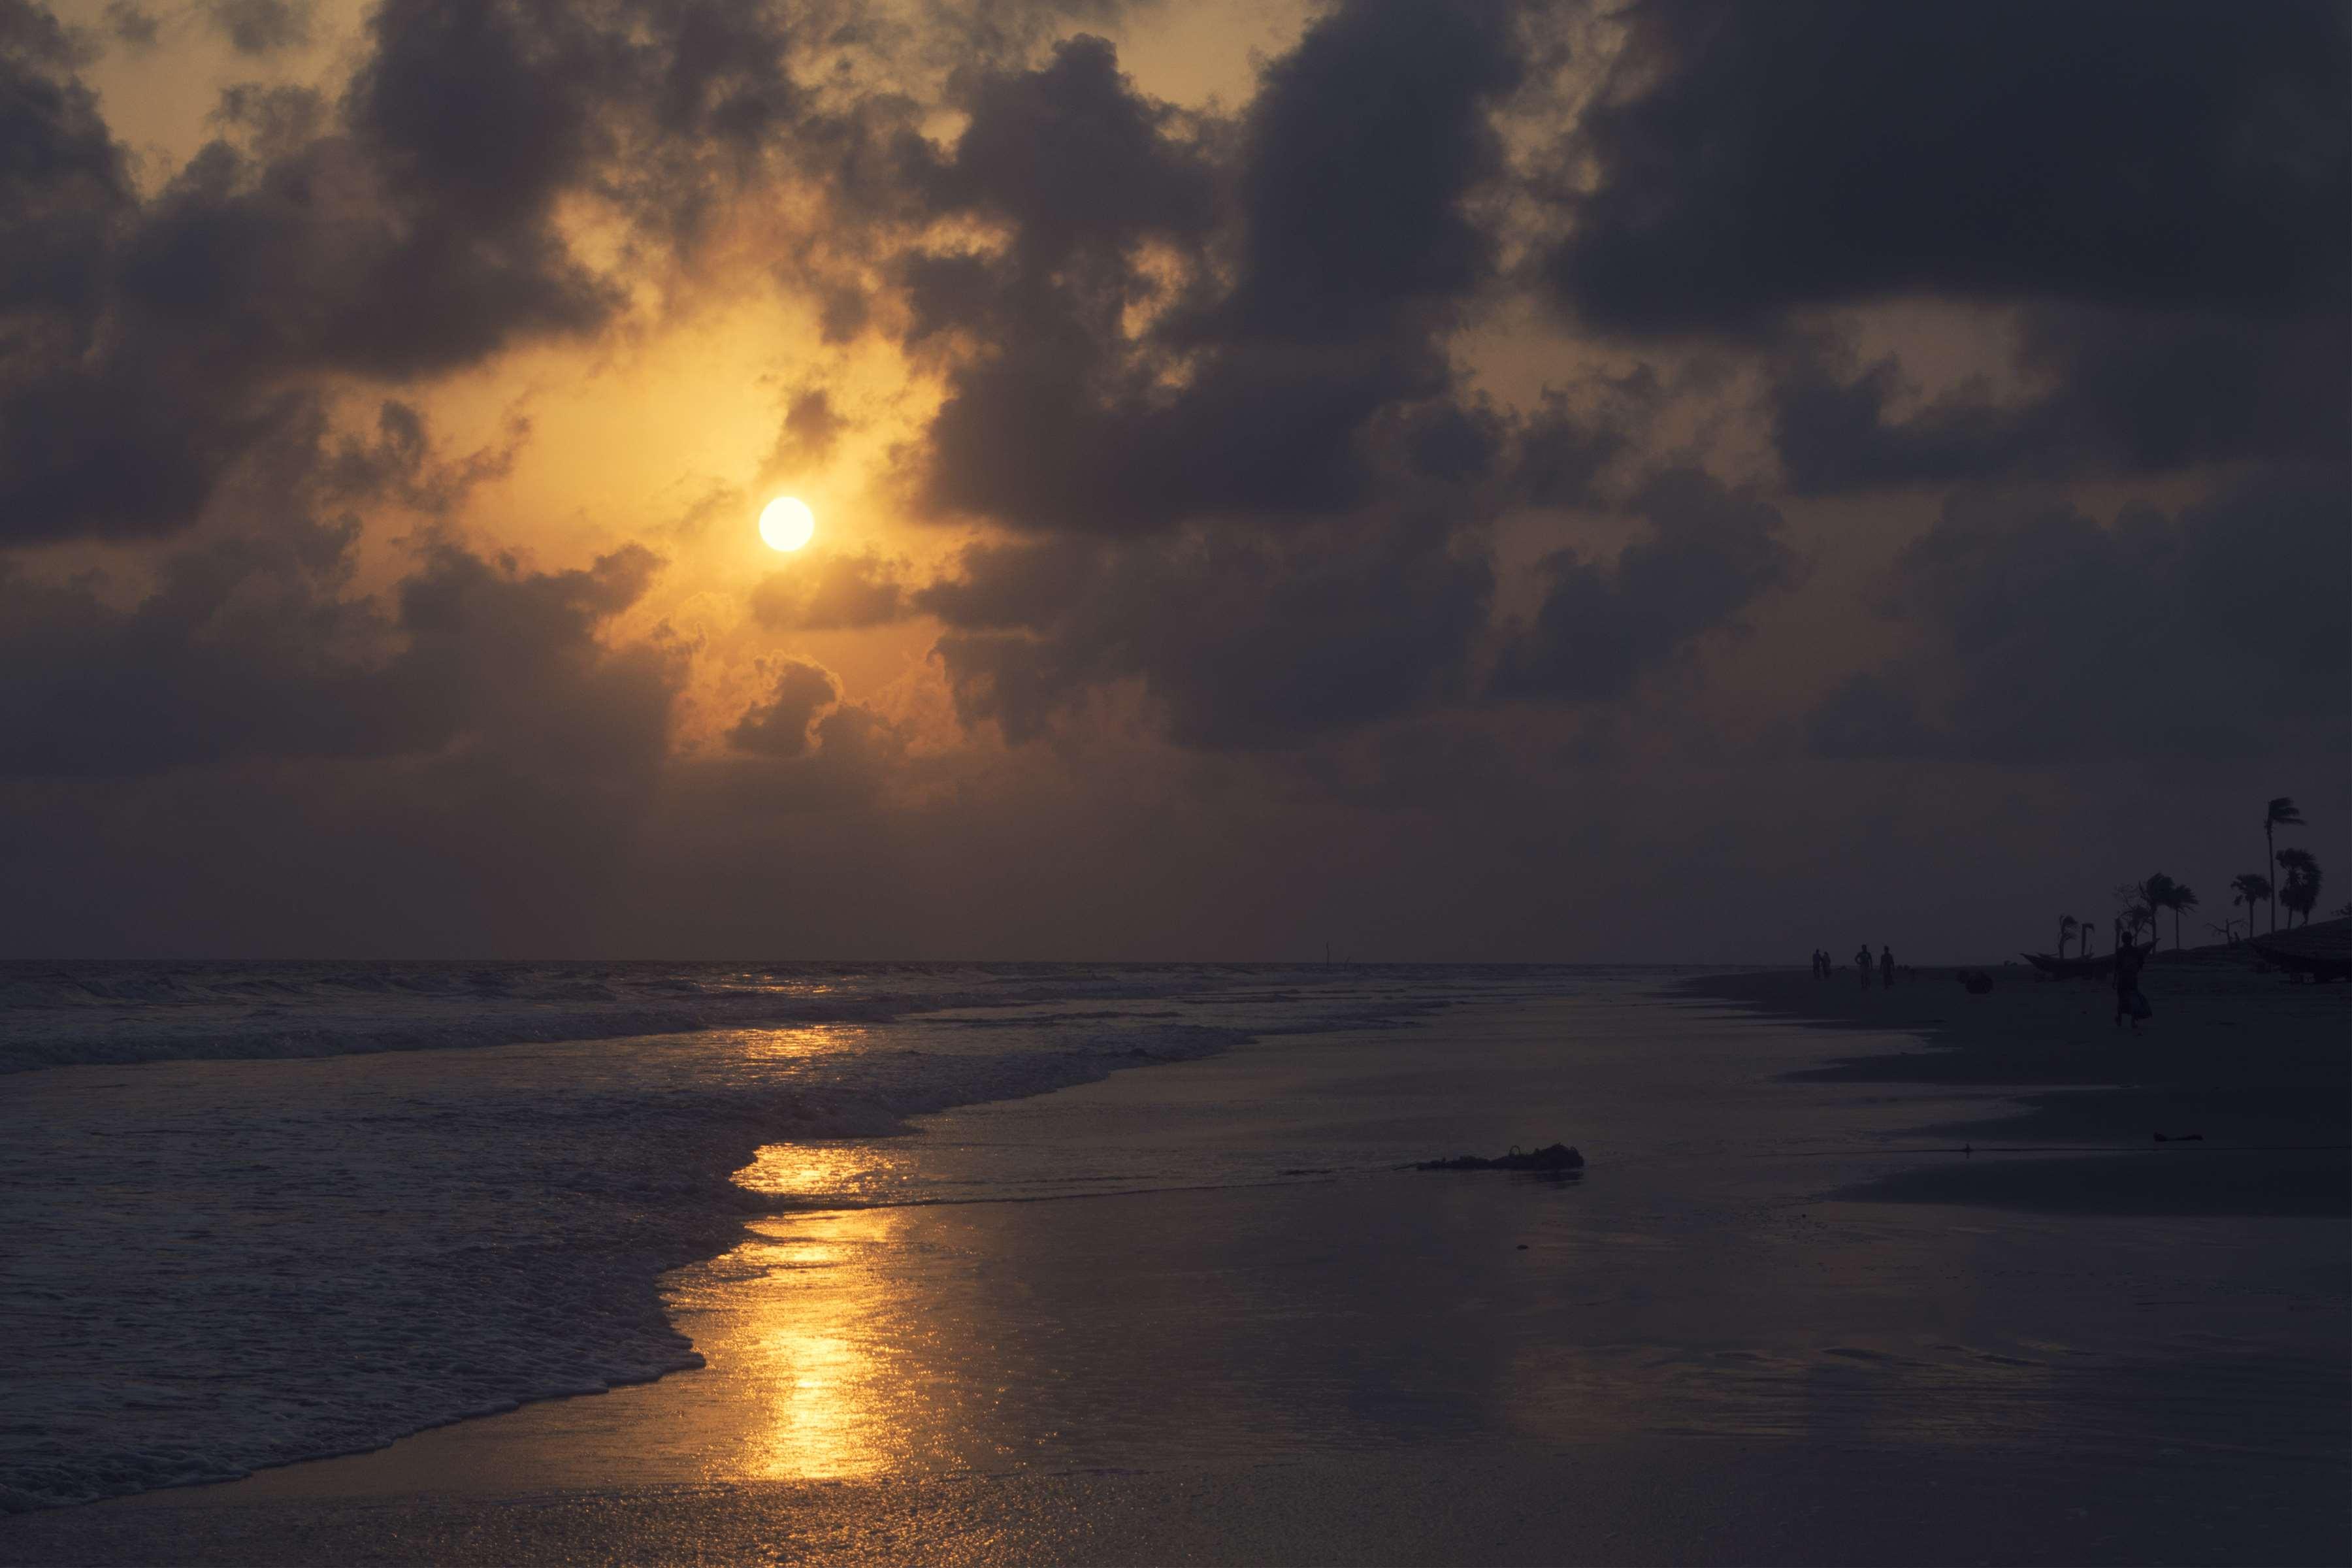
pixel 811 427
pixel 1706 554
pixel 2127 392
pixel 262 26
pixel 1069 156
pixel 403 230
pixel 1561 448
pixel 402 464
pixel 130 25
pixel 1240 643
pixel 1352 244
pixel 257 647
pixel 2215 631
pixel 1362 148
pixel 777 725
pixel 1765 157
pixel 825 590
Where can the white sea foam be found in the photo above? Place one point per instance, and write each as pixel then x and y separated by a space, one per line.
pixel 59 1015
pixel 214 1265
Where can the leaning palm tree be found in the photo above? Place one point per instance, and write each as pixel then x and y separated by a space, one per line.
pixel 2301 888
pixel 2252 889
pixel 2281 814
pixel 2067 926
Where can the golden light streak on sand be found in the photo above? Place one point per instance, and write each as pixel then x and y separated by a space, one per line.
pixel 826 1366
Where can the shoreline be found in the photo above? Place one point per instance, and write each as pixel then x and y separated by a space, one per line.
pixel 2246 1074
pixel 1600 1398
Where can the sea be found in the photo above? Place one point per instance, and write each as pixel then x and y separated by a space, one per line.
pixel 252 1213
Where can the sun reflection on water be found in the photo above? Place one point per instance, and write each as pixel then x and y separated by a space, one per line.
pixel 802 1040
pixel 821 1356
pixel 826 1344
pixel 840 1171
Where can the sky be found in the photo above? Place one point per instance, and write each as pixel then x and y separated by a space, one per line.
pixel 1672 481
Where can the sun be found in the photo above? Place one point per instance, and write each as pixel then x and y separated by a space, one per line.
pixel 787 524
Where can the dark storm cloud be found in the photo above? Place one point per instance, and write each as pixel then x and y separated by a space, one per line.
pixel 2167 156
pixel 2157 191
pixel 1560 448
pixel 825 590
pixel 1362 145
pixel 63 186
pixel 1242 642
pixel 2127 393
pixel 2222 630
pixel 1346 219
pixel 1706 555
pixel 1070 155
pixel 257 647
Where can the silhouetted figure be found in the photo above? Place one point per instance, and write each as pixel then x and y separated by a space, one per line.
pixel 1886 966
pixel 1861 963
pixel 2130 959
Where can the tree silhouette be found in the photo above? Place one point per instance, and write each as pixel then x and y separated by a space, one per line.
pixel 2133 911
pixel 2281 814
pixel 2184 897
pixel 2301 889
pixel 2252 889
pixel 2160 892
pixel 2067 926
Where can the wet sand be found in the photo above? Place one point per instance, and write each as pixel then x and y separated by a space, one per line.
pixel 2258 1067
pixel 1709 1350
pixel 1643 1501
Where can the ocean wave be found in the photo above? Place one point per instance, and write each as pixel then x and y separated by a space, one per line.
pixel 117 1013
pixel 214 1269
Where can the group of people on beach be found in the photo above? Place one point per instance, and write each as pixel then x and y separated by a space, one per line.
pixel 2130 958
pixel 1824 966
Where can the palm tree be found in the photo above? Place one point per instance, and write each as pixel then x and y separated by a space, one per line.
pixel 2184 897
pixel 2252 889
pixel 2281 814
pixel 2159 893
pixel 2301 889
pixel 2067 926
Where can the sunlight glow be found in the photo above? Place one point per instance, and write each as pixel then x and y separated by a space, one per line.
pixel 787 524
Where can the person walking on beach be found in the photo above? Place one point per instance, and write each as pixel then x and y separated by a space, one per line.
pixel 1861 962
pixel 2129 958
pixel 1886 966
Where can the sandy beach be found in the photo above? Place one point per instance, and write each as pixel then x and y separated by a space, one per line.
pixel 2253 1064
pixel 1725 1343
